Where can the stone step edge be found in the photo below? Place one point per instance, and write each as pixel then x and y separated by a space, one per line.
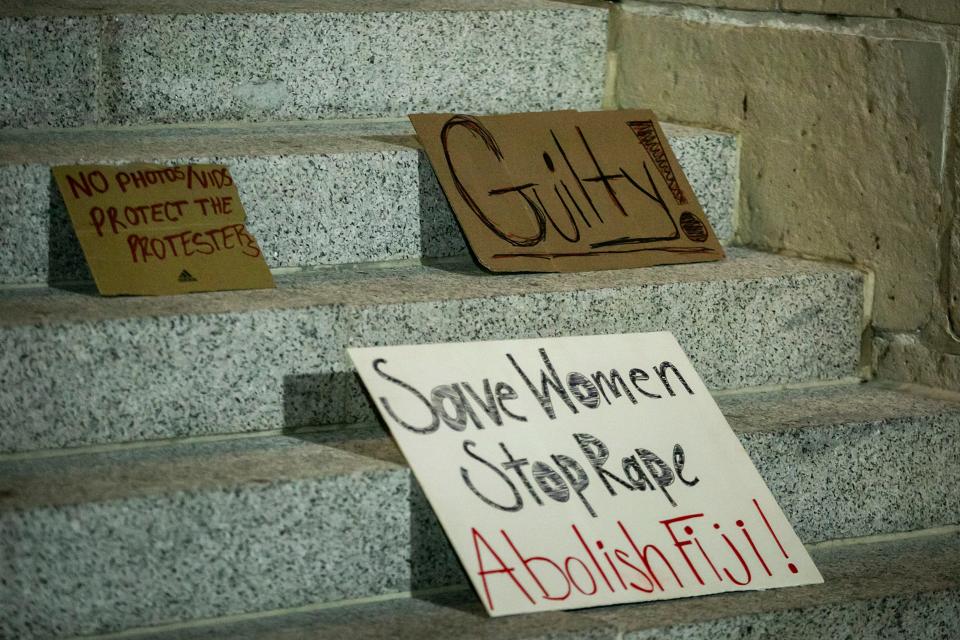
pixel 182 141
pixel 42 497
pixel 72 8
pixel 74 361
pixel 919 563
pixel 368 448
pixel 457 278
pixel 364 427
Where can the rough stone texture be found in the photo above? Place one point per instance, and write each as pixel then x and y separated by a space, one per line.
pixel 945 11
pixel 82 369
pixel 49 68
pixel 750 5
pixel 198 530
pixel 841 134
pixel 952 180
pixel 906 357
pixel 304 65
pixel 315 193
pixel 953 290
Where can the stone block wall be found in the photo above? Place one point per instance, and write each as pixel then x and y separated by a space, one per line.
pixel 847 112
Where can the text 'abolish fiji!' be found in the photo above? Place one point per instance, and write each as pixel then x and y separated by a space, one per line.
pixel 150 229
pixel 570 475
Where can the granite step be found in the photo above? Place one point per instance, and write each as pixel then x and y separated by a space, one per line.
pixel 316 193
pixel 874 590
pixel 84 62
pixel 79 369
pixel 107 540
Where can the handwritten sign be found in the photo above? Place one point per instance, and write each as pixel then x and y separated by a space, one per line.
pixel 567 191
pixel 576 472
pixel 147 229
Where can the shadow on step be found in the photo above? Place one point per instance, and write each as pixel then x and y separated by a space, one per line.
pixel 329 398
pixel 66 267
pixel 433 562
pixel 65 261
pixel 338 398
pixel 440 235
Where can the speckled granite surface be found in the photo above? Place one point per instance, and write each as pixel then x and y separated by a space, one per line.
pixel 315 193
pixel 119 7
pixel 880 590
pixel 711 162
pixel 49 69
pixel 198 530
pixel 378 60
pixel 81 369
pixel 894 466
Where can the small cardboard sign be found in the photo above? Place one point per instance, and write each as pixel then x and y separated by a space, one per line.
pixel 584 471
pixel 567 190
pixel 147 229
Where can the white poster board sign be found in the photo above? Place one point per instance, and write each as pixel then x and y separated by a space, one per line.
pixel 583 471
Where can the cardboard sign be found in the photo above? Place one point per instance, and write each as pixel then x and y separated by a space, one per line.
pixel 576 472
pixel 147 229
pixel 567 191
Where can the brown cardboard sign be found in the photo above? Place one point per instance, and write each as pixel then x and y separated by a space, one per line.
pixel 567 190
pixel 148 229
